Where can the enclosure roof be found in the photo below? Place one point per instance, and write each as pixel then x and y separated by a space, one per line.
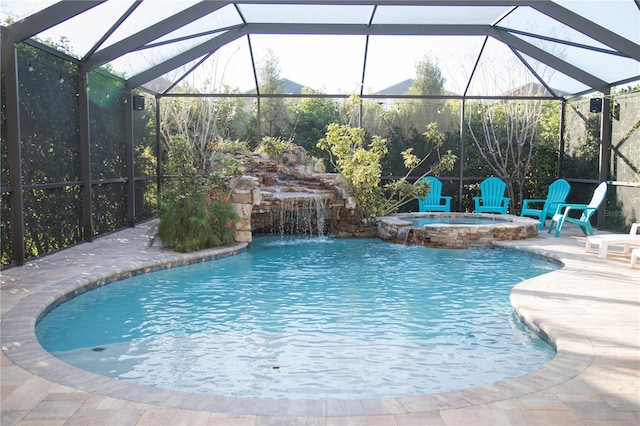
pixel 483 47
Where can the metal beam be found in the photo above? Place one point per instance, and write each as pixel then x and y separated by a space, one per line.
pixel 561 130
pixel 605 152
pixel 158 155
pixel 153 32
pixel 85 153
pixel 113 28
pixel 14 155
pixel 589 28
pixel 129 158
pixel 184 58
pixel 364 29
pixel 49 17
pixel 534 72
pixel 549 59
pixel 505 3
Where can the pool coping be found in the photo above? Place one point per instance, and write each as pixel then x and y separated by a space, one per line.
pixel 19 343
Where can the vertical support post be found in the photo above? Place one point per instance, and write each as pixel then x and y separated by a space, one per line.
pixel 461 159
pixel 158 152
pixel 605 150
pixel 563 112
pixel 85 152
pixel 259 119
pixel 12 99
pixel 129 163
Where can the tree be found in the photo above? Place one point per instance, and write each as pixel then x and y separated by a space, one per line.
pixel 428 82
pixel 312 116
pixel 273 110
pixel 403 124
pixel 504 134
pixel 429 79
pixel 544 161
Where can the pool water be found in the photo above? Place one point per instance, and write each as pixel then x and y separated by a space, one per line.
pixel 309 318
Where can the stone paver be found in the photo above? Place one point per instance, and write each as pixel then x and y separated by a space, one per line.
pixel 589 309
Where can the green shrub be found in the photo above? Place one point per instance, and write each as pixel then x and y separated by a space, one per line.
pixel 273 146
pixel 195 220
pixel 361 166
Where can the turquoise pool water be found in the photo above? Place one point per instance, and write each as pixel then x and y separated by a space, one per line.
pixel 309 318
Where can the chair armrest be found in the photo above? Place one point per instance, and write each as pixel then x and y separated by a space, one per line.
pixel 505 201
pixel 446 197
pixel 567 207
pixel 525 203
pixel 634 228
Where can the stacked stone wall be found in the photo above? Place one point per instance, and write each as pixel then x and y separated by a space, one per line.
pixel 273 190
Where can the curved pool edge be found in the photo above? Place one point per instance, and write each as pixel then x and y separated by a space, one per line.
pixel 20 344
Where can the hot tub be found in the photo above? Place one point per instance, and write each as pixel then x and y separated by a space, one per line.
pixel 454 230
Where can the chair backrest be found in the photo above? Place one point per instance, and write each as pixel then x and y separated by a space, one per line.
pixel 557 194
pixel 433 197
pixel 492 191
pixel 596 200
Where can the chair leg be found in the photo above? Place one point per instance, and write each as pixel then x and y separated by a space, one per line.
pixel 559 226
pixel 586 229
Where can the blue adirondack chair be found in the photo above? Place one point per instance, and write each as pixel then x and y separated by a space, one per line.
pixel 434 201
pixel 492 199
pixel 562 212
pixel 556 194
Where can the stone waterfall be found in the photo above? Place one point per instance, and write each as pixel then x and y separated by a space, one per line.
pixel 291 195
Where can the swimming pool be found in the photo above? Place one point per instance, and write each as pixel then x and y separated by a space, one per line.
pixel 273 322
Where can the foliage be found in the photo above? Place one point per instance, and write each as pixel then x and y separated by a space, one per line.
pixel 429 79
pixel 273 110
pixel 361 167
pixel 185 162
pixel 544 161
pixel 50 151
pixel 582 153
pixel 145 163
pixel 312 116
pixel 349 111
pixel 196 219
pixel 273 146
pixel 204 124
pixel 504 134
pixel 52 156
pixel 196 212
